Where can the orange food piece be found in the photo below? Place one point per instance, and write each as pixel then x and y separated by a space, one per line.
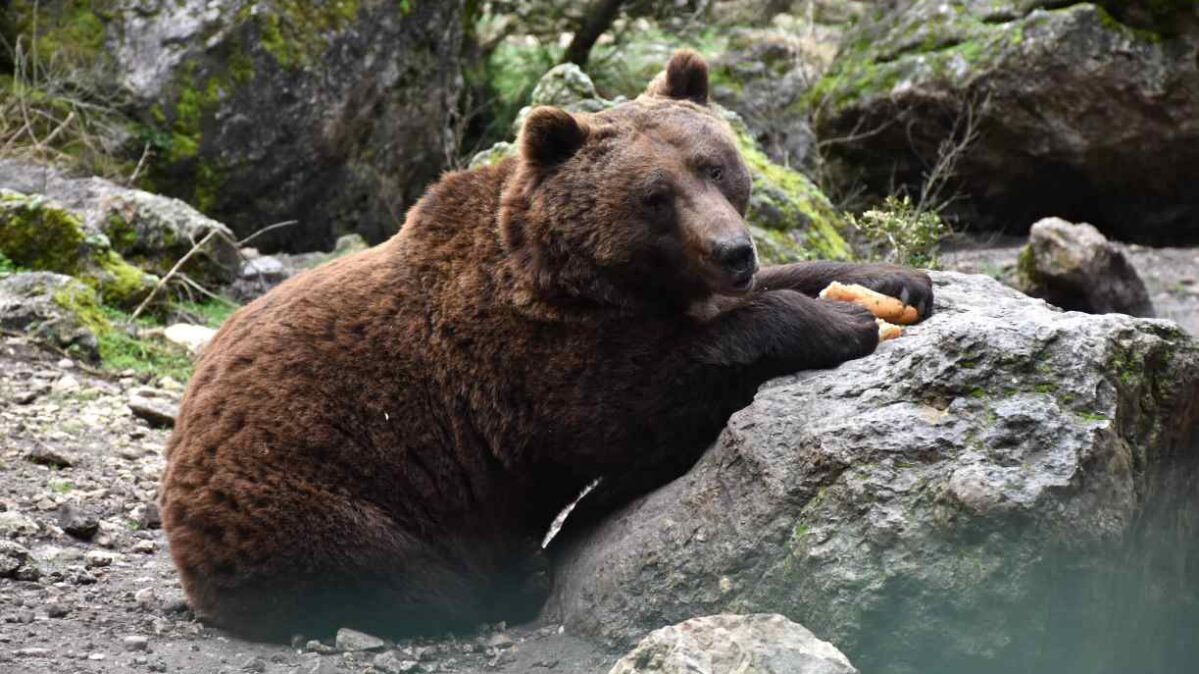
pixel 887 330
pixel 882 306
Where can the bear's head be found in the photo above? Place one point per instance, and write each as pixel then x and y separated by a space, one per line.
pixel 643 202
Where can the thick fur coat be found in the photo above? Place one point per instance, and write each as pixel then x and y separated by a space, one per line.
pixel 383 442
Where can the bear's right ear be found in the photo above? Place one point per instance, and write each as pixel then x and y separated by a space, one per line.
pixel 551 136
pixel 685 78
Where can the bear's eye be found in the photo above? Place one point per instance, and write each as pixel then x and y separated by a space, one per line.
pixel 657 201
pixel 716 173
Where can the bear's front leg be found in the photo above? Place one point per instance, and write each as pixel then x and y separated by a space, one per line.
pixel 912 286
pixel 777 332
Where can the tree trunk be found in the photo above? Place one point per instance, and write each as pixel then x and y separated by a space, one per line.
pixel 599 18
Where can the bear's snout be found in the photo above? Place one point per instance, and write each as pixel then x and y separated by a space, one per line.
pixel 737 259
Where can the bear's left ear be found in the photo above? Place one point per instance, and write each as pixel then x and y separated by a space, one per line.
pixel 551 136
pixel 685 78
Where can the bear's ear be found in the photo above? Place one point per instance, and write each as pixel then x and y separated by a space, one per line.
pixel 551 136
pixel 685 78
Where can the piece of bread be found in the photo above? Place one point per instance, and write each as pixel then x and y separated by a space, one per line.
pixel 882 306
pixel 887 330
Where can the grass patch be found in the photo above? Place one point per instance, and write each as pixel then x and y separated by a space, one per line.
pixel 213 314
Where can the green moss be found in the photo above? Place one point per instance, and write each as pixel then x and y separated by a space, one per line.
pixel 296 32
pixel 84 305
pixel 118 282
pixel 71 32
pixel 786 200
pixel 41 235
pixel 38 235
pixel 121 348
pixel 211 313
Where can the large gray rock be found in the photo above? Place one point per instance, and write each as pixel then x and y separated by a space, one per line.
pixel 734 644
pixel 1007 487
pixel 1075 267
pixel 149 230
pixel 335 114
pixel 1084 112
pixel 55 308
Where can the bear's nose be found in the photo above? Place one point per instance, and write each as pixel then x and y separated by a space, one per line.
pixel 735 255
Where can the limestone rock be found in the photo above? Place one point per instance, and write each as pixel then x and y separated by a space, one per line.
pixel 148 230
pixel 986 494
pixel 349 640
pixel 730 644
pixel 55 308
pixel 191 337
pixel 1075 267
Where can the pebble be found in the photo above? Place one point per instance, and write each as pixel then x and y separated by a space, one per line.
pixel 317 647
pixel 390 663
pixel 45 455
pixel 57 610
pixel 157 412
pixel 349 640
pixel 499 640
pixel 145 547
pixel 99 558
pixel 77 522
pixel 136 643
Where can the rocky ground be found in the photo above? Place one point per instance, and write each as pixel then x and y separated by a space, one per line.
pixel 86 583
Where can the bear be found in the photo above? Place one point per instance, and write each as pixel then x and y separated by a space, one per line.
pixel 382 442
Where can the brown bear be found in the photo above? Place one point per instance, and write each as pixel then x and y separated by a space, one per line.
pixel 382 442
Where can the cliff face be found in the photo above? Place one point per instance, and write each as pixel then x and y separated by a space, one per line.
pixel 335 114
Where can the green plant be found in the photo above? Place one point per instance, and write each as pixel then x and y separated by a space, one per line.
pixel 900 233
pixel 126 347
pixel 212 313
pixel 50 111
pixel 6 266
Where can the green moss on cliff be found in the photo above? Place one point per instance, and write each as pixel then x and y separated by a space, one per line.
pixel 295 31
pixel 787 203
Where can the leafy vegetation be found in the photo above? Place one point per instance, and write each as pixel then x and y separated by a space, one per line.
pixel 900 233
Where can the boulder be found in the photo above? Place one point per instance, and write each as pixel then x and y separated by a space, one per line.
pixel 731 644
pixel 41 234
pixel 335 114
pixel 1077 268
pixel 148 230
pixel 1086 111
pixel 1007 487
pixel 192 337
pixel 789 217
pixel 53 307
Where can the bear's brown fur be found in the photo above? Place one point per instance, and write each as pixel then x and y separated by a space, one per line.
pixel 382 442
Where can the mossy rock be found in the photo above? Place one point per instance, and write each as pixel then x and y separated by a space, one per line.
pixel 910 80
pixel 335 114
pixel 39 234
pixel 56 309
